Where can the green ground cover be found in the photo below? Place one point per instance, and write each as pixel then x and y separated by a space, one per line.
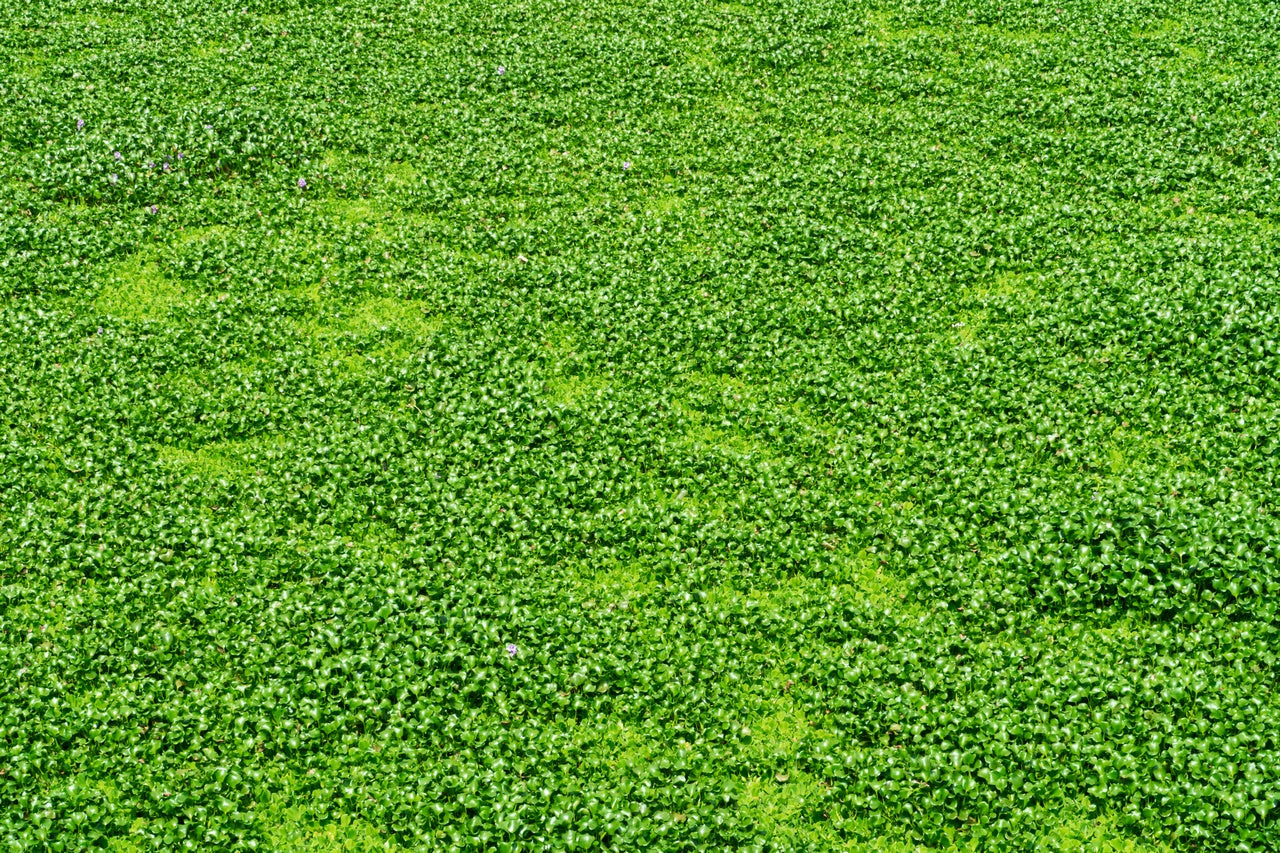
pixel 795 425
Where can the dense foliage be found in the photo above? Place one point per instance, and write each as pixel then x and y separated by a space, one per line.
pixel 793 425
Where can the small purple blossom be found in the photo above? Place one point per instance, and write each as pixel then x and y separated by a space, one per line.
pixel 154 209
pixel 179 155
pixel 626 164
pixel 302 183
pixel 166 167
pixel 79 124
pixel 99 330
pixel 119 156
pixel 113 178
pixel 502 69
pixel 512 650
pixel 151 165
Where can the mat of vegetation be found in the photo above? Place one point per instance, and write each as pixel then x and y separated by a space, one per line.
pixel 656 425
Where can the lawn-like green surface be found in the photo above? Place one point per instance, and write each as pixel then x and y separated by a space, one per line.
pixel 660 425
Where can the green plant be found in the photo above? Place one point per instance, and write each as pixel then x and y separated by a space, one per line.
pixel 781 426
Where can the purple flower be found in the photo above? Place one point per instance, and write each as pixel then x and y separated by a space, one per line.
pixel 626 164
pixel 79 124
pixel 99 330
pixel 302 183
pixel 113 178
pixel 179 155
pixel 502 69
pixel 153 209
pixel 512 650
pixel 119 156
pixel 166 167
pixel 151 165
